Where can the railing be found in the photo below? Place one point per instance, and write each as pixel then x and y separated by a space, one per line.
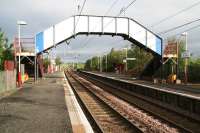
pixel 26 45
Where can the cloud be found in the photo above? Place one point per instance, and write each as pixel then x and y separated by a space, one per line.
pixel 41 14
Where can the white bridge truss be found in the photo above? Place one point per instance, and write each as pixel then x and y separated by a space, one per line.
pixel 102 25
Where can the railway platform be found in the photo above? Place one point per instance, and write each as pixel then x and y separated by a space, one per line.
pixel 47 106
pixel 189 89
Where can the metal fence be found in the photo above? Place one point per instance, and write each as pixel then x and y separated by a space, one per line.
pixel 27 45
pixel 7 80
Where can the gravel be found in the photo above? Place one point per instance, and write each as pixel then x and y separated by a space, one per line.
pixel 151 124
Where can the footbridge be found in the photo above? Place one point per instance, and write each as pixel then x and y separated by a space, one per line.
pixel 125 27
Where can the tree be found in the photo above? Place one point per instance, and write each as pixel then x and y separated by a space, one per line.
pixel 58 61
pixel 115 57
pixel 46 63
pixel 88 65
pixel 142 58
pixel 194 70
pixel 6 52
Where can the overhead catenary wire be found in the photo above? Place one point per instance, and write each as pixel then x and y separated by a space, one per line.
pixel 82 7
pixel 112 5
pixel 77 7
pixel 175 14
pixel 167 18
pixel 178 27
pixel 107 12
pixel 175 28
pixel 121 11
pixel 132 2
pixel 109 9
pixel 189 29
pixel 125 8
pixel 172 16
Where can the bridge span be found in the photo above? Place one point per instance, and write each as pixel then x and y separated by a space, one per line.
pixel 126 27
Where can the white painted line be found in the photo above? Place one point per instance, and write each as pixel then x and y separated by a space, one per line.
pixel 77 117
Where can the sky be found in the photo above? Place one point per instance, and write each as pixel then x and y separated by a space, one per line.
pixel 41 14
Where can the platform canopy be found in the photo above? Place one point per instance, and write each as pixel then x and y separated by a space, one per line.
pixel 102 25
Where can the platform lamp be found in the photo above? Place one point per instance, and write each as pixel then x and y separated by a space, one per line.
pixel 19 24
pixel 186 58
pixel 126 49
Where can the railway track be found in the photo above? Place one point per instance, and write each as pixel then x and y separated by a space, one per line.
pixel 103 117
pixel 145 121
pixel 180 122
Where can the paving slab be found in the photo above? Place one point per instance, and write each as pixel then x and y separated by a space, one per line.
pixel 36 108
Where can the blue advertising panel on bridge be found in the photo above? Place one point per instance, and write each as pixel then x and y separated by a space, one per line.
pixel 39 42
pixel 98 24
pixel 44 40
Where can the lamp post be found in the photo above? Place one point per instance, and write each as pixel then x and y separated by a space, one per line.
pixel 186 58
pixel 20 23
pixel 100 63
pixel 177 53
pixel 126 59
pixel 106 62
pixel 91 64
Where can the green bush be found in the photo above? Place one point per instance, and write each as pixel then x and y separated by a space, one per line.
pixel 6 52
